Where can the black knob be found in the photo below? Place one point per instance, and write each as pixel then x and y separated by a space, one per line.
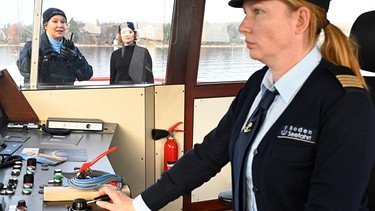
pixel 31 162
pixel 10 189
pixel 28 178
pixel 21 203
pixel 79 204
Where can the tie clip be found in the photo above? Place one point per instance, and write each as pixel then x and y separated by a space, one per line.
pixel 248 127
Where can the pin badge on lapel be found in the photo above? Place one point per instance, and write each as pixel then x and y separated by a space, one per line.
pixel 248 127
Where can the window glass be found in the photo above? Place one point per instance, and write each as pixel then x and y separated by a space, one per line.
pixel 95 26
pixel 16 27
pixel 343 13
pixel 224 56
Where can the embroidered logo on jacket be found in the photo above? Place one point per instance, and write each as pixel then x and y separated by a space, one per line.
pixel 297 134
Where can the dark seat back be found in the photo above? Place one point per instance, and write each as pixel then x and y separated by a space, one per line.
pixel 363 30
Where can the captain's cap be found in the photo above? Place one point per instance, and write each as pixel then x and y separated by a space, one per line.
pixel 321 3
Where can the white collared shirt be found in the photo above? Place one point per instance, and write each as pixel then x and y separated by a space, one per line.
pixel 287 86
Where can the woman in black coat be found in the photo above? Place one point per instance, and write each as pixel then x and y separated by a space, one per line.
pixel 130 64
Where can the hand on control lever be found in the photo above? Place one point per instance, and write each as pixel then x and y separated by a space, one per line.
pixel 117 200
pixel 100 198
pixel 80 204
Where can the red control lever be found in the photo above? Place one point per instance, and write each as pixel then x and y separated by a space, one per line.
pixel 85 167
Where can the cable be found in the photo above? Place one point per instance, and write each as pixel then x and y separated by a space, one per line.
pixel 56 131
pixel 9 160
pixel 96 182
pixel 87 178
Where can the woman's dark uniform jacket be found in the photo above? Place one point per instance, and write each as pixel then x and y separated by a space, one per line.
pixel 53 69
pixel 325 167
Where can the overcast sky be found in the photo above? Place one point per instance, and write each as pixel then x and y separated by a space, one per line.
pixel 154 10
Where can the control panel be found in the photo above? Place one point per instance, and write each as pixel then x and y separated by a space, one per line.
pixel 27 182
pixel 23 184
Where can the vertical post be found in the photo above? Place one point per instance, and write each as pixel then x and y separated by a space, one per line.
pixel 35 44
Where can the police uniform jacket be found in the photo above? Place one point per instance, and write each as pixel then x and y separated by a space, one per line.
pixel 318 154
pixel 53 69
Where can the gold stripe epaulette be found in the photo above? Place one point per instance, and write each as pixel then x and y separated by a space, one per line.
pixel 349 81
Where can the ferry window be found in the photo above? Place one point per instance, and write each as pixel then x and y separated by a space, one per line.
pixel 95 26
pixel 343 13
pixel 16 26
pixel 224 56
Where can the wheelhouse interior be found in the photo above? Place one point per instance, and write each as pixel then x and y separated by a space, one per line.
pixel 200 62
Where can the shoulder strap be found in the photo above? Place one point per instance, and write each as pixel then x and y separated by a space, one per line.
pixel 345 76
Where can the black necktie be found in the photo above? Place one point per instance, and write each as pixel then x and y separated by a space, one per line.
pixel 243 144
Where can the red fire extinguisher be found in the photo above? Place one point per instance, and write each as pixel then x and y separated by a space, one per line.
pixel 170 146
pixel 170 153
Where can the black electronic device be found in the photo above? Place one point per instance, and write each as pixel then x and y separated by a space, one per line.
pixel 10 148
pixel 14 138
pixel 75 124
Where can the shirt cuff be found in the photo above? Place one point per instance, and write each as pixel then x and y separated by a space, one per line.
pixel 139 204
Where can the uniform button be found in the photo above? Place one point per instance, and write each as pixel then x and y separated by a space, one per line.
pixel 255 152
pixel 255 190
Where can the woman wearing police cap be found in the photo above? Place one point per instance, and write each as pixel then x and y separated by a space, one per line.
pixel 130 64
pixel 60 61
pixel 316 147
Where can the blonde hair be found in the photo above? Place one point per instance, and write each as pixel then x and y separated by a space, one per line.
pixel 337 48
